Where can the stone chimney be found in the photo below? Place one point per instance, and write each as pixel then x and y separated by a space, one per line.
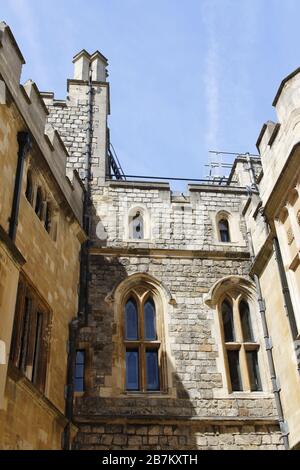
pixel 99 64
pixel 82 63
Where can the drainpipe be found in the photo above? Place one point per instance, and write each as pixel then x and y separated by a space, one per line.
pixel 275 385
pixel 24 141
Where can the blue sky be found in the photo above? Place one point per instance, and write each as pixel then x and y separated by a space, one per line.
pixel 186 76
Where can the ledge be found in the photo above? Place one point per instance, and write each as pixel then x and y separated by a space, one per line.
pixel 139 184
pixel 11 247
pixel 151 419
pixel 212 188
pixel 37 397
pixel 175 253
pixel 262 256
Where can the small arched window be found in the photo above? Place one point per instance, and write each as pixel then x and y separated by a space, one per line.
pixel 39 203
pixel 142 344
pixel 137 226
pixel 29 187
pixel 223 227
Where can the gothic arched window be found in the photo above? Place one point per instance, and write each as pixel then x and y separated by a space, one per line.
pixel 137 226
pixel 142 343
pixel 240 348
pixel 223 227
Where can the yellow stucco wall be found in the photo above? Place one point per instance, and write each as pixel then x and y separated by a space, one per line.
pixel 28 419
pixel 283 352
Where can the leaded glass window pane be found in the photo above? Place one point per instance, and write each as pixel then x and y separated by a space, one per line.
pixel 234 370
pixel 254 375
pixel 246 321
pixel 132 370
pixel 131 320
pixel 149 320
pixel 152 374
pixel 227 317
pixel 79 371
pixel 224 230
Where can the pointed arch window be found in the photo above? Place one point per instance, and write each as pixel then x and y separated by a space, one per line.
pixel 137 226
pixel 223 227
pixel 142 343
pixel 240 348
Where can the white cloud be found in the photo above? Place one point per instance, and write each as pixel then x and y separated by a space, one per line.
pixel 211 74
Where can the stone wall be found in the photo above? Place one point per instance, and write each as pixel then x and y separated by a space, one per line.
pixel 178 436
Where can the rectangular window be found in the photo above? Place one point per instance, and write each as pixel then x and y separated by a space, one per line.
pixel 152 374
pixel 24 336
pixel 253 370
pixel 37 352
pixel 79 385
pixel 132 370
pixel 29 346
pixel 234 370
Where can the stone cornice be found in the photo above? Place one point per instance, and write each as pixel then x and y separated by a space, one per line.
pixel 167 252
pixel 262 256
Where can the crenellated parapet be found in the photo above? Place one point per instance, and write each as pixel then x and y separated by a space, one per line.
pixel 278 142
pixel 33 110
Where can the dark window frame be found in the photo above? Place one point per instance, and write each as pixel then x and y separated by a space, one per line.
pixel 30 337
pixel 224 232
pixel 142 345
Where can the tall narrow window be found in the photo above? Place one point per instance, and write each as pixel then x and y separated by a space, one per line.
pixel 29 187
pixel 137 226
pixel 30 336
pixel 149 320
pixel 240 348
pixel 227 317
pixel 246 321
pixel 234 370
pixel 48 218
pixel 142 343
pixel 224 230
pixel 152 374
pixel 131 322
pixel 39 203
pixel 79 371
pixel 37 352
pixel 132 370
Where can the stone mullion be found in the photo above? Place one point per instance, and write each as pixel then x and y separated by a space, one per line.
pixel 239 339
pixel 142 352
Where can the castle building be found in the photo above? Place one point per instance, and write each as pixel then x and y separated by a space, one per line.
pixel 182 312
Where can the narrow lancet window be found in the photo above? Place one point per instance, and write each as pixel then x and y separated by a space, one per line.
pixel 246 321
pixel 227 317
pixel 149 320
pixel 131 320
pixel 224 230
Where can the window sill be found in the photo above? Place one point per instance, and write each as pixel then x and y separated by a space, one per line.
pixel 247 395
pixel 152 394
